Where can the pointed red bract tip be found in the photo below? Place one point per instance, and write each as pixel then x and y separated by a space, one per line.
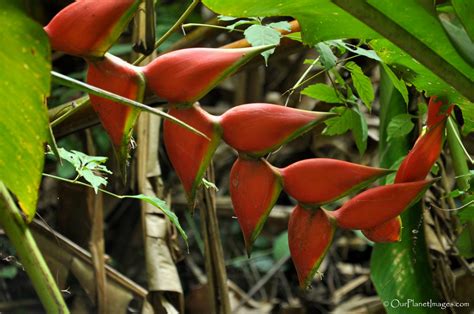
pixel 387 232
pixel 88 28
pixel 256 129
pixel 378 205
pixel 254 189
pixel 186 75
pixel 190 153
pixel 437 111
pixel 419 161
pixel 310 233
pixel 322 180
pixel 117 76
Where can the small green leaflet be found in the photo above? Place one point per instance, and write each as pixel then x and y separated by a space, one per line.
pixel 348 119
pixel 328 59
pixel 339 43
pixel 399 126
pixel 159 203
pixel 323 92
pixel 88 167
pixel 399 84
pixel 258 35
pixel 294 36
pixel 362 84
pixel 283 25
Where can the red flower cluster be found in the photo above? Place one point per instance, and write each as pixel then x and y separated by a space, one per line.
pixel 184 76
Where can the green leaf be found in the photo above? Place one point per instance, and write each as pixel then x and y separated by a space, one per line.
pixel 340 124
pixel 460 40
pixel 465 243
pixel 232 27
pixel 410 277
pixel 418 31
pixel 328 59
pixel 322 92
pixel 424 80
pixel 320 20
pixel 348 119
pixel 397 83
pixel 159 203
pixel 400 125
pixel 355 49
pixel 465 12
pixel 362 84
pixel 294 36
pixel 24 86
pixel 283 25
pixel 360 131
pixel 88 167
pixel 281 247
pixel 260 35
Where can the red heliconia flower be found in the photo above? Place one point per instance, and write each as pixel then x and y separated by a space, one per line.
pixel 378 205
pixel 437 111
pixel 184 76
pixel 121 78
pixel 254 189
pixel 386 232
pixel 257 129
pixel 190 153
pixel 416 165
pixel 419 161
pixel 88 28
pixel 310 233
pixel 322 180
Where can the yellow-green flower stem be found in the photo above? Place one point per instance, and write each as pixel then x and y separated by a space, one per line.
pixel 29 255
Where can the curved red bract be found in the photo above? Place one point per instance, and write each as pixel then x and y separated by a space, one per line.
pixel 310 233
pixel 254 189
pixel 322 180
pixel 378 205
pixel 117 76
pixel 186 75
pixel 259 128
pixel 88 27
pixel 387 232
pixel 190 153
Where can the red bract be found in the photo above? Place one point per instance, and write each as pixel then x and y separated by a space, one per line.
pixel 256 129
pixel 310 233
pixel 378 205
pixel 188 74
pixel 254 189
pixel 121 78
pixel 437 111
pixel 416 165
pixel 89 28
pixel 419 161
pixel 190 153
pixel 323 180
pixel 389 231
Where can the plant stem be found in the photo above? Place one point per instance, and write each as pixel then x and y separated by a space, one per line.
pixel 72 83
pixel 76 105
pixel 29 254
pixel 212 26
pixel 173 28
pixel 460 166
